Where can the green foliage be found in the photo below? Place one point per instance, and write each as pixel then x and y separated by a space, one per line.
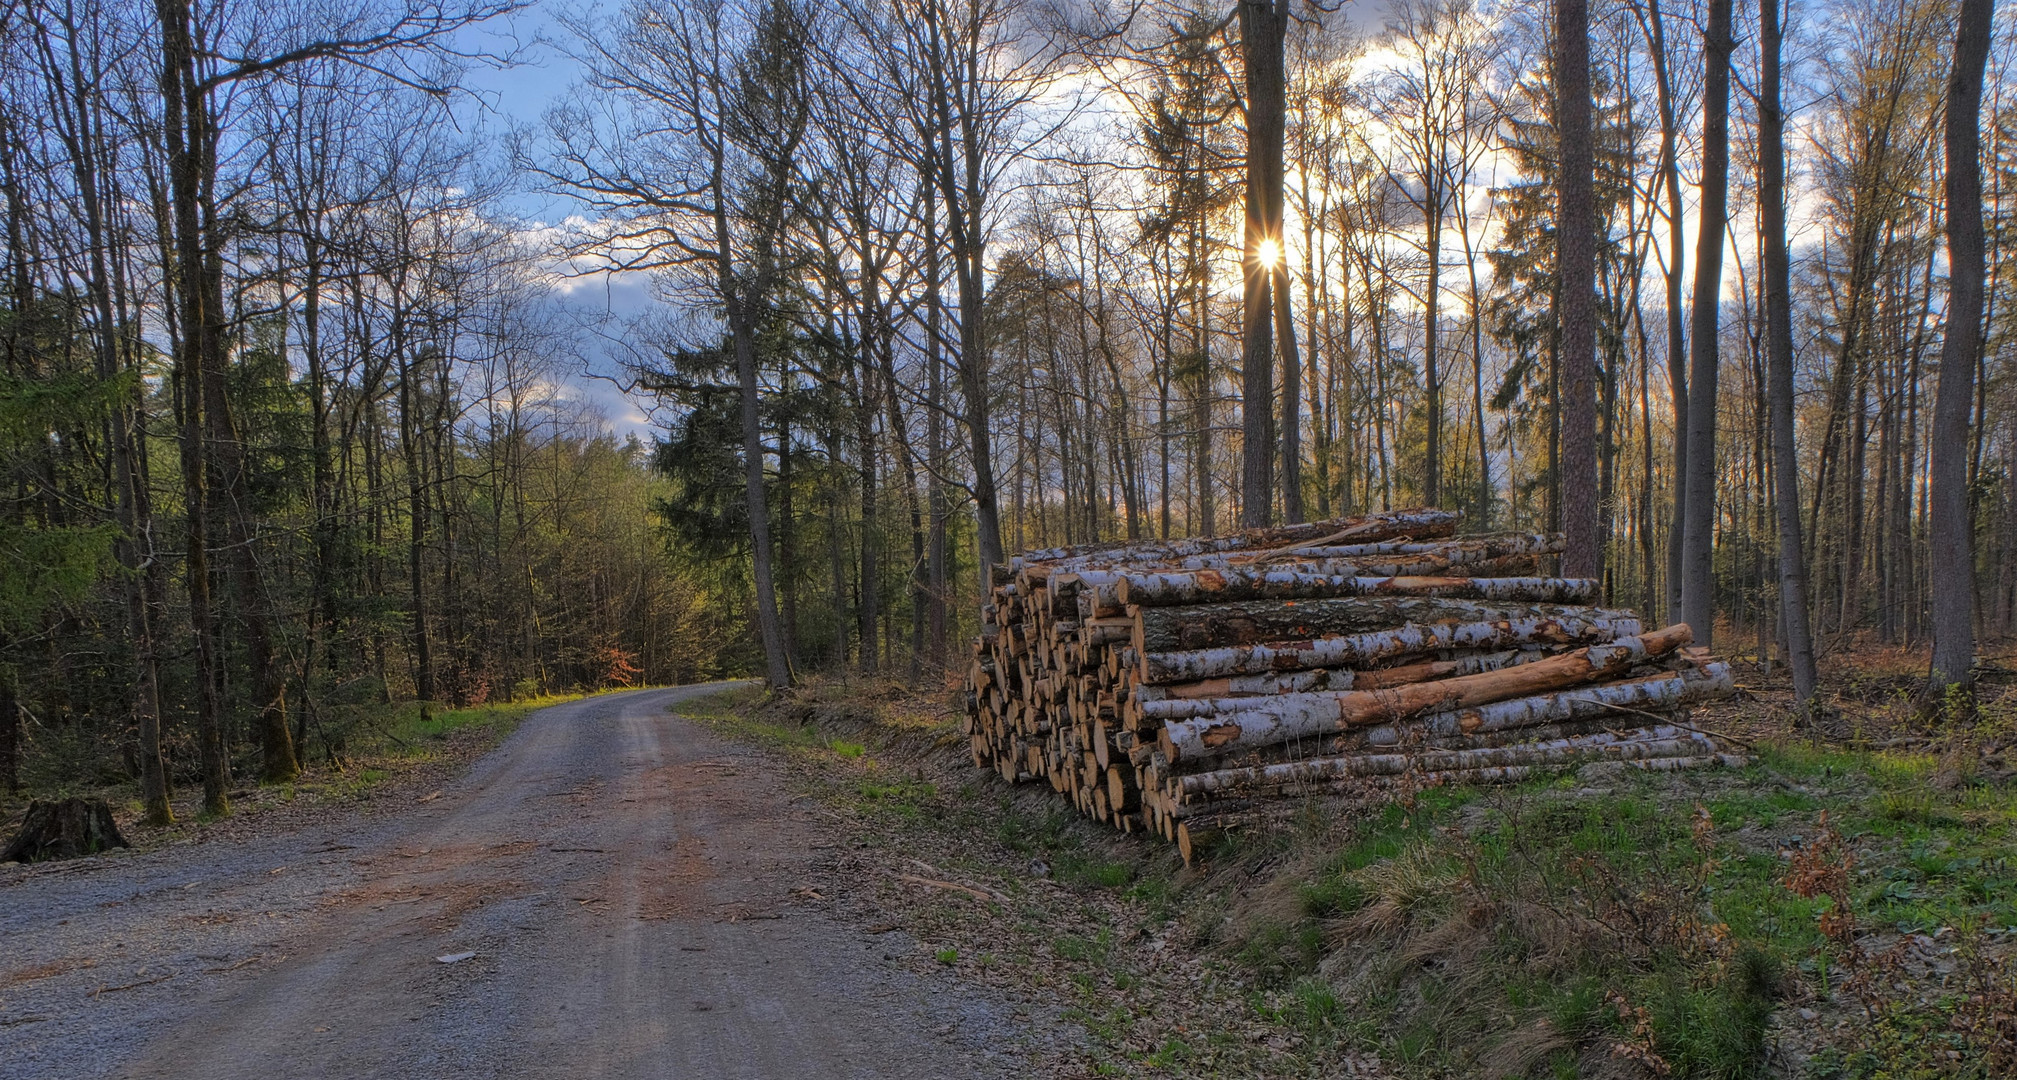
pixel 48 557
pixel 50 565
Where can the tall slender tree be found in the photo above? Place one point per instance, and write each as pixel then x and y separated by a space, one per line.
pixel 1950 516
pixel 1698 555
pixel 1779 353
pixel 1576 291
pixel 1263 36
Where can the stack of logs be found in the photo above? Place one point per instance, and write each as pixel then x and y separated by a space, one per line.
pixel 1185 686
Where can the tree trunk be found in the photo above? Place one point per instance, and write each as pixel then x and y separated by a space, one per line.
pixel 1953 551
pixel 10 729
pixel 935 435
pixel 197 280
pixel 1263 26
pixel 868 605
pixel 1677 347
pixel 1292 424
pixel 1698 581
pixel 1779 360
pixel 1577 291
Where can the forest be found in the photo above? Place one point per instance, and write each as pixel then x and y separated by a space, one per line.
pixel 291 423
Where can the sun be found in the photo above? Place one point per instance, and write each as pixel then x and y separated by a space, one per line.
pixel 1268 253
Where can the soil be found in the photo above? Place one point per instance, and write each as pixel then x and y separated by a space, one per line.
pixel 613 892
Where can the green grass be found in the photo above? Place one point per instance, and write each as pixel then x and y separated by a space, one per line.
pixel 413 725
pixel 1527 928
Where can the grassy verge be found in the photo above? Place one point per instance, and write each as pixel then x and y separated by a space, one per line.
pixel 1823 913
pixel 379 750
pixel 385 742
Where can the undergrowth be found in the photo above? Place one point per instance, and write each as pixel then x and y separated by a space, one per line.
pixel 1659 925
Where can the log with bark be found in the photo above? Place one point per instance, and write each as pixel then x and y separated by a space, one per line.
pixel 1261 721
pixel 1365 650
pixel 1248 622
pixel 1370 654
pixel 1164 589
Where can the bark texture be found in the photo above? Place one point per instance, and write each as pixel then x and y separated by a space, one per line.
pixel 1263 26
pixel 1698 580
pixel 1576 291
pixel 1779 359
pixel 1953 549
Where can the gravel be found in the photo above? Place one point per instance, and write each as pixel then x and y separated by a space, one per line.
pixel 640 899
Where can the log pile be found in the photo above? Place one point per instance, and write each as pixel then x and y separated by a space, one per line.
pixel 1182 687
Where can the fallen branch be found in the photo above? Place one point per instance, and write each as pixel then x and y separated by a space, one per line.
pixel 1745 743
pixel 952 886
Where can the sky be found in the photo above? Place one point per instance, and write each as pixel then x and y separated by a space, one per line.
pixel 518 97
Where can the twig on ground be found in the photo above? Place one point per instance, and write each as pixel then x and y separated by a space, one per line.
pixel 132 985
pixel 1671 722
pixel 950 886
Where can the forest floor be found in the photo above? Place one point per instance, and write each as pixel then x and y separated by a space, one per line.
pixel 1844 907
pixel 613 891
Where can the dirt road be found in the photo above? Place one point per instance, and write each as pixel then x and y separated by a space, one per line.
pixel 641 899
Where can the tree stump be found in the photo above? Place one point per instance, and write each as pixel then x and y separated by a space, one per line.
pixel 64 829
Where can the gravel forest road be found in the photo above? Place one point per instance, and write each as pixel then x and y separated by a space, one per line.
pixel 641 899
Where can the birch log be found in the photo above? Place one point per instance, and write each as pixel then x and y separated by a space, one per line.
pixel 1452 552
pixel 1235 692
pixel 1208 626
pixel 1170 588
pixel 1635 744
pixel 1417 524
pixel 1625 700
pixel 1494 630
pixel 1267 721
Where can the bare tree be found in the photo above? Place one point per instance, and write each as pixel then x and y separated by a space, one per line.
pixel 1667 94
pixel 1779 353
pixel 1444 118
pixel 692 172
pixel 201 60
pixel 1951 518
pixel 1698 555
pixel 1263 35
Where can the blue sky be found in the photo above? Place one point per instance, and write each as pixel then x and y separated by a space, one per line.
pixel 519 96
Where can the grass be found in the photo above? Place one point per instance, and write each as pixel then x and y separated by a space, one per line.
pixel 414 729
pixel 1656 927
